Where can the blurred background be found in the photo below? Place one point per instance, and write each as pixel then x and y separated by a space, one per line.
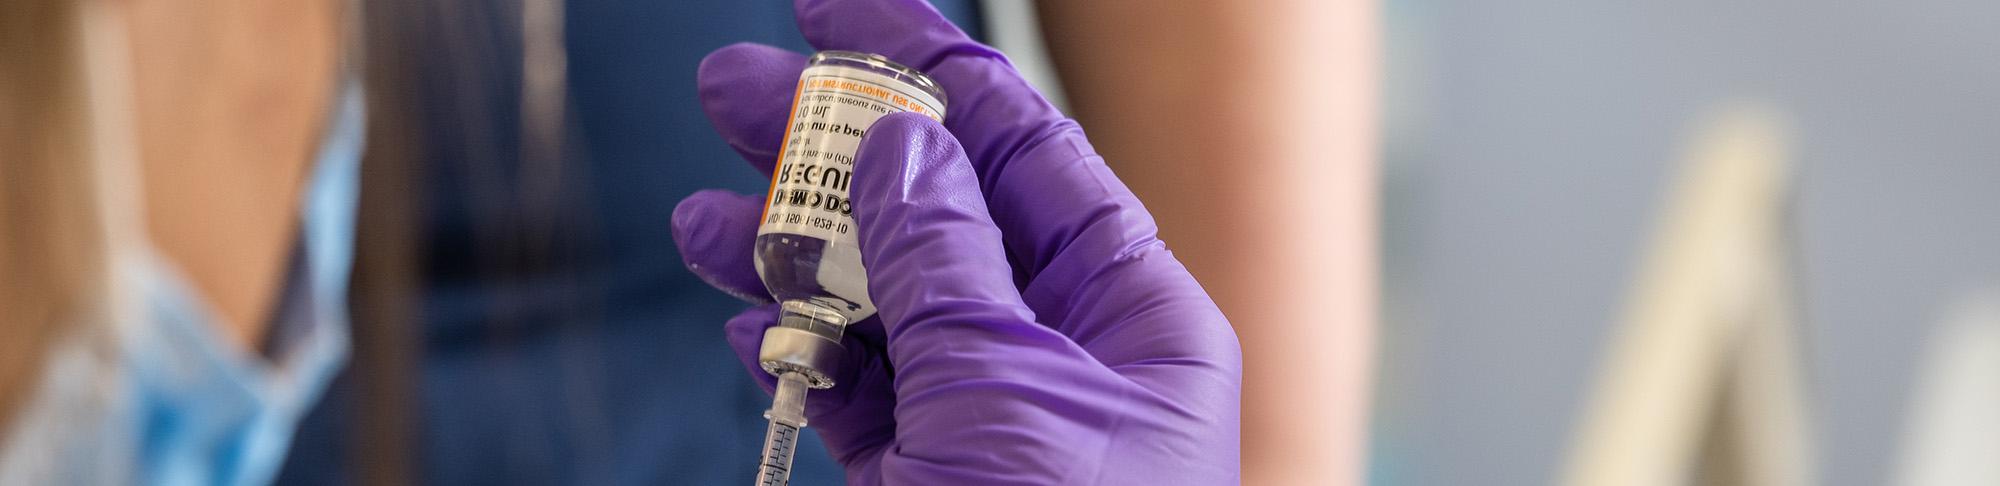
pixel 1647 242
pixel 1531 153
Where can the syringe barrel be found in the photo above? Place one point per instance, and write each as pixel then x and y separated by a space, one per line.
pixel 781 440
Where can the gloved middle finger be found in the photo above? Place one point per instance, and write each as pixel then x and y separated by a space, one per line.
pixel 716 231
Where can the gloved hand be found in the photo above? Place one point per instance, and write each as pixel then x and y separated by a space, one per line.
pixel 1031 328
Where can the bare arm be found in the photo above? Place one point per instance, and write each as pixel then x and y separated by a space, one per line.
pixel 231 100
pixel 1248 129
pixel 226 100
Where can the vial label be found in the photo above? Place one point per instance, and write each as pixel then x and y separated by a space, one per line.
pixel 805 244
pixel 834 108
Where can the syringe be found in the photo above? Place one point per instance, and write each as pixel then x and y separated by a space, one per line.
pixel 803 351
pixel 787 416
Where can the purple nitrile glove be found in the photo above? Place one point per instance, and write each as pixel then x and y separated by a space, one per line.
pixel 1038 331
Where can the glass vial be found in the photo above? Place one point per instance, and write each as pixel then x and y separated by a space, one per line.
pixel 806 253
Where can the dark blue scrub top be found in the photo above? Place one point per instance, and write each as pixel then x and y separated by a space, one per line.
pixel 563 342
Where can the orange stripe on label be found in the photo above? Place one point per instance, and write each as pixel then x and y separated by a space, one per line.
pixel 783 146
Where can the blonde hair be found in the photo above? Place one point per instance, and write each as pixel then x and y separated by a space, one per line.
pixel 53 242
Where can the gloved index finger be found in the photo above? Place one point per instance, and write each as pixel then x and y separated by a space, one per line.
pixel 979 83
pixel 747 90
pixel 1047 189
pixel 911 32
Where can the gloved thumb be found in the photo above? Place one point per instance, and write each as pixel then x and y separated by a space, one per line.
pixel 931 249
pixel 960 339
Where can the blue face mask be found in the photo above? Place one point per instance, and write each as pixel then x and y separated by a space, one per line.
pixel 165 399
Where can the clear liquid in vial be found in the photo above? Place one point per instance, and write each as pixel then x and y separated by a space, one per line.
pixel 824 273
